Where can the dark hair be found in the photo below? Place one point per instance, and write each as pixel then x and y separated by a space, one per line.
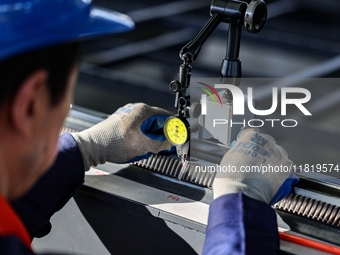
pixel 57 60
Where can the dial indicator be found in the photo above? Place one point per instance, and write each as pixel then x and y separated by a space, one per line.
pixel 176 130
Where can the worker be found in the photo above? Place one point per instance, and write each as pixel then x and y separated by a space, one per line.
pixel 39 61
pixel 40 171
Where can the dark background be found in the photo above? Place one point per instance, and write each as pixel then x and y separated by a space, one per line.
pixel 301 39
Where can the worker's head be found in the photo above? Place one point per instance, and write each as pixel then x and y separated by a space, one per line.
pixel 39 48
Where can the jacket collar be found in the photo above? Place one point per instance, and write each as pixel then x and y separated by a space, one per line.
pixel 11 224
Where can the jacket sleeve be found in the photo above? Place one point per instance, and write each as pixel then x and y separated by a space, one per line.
pixel 240 225
pixel 53 190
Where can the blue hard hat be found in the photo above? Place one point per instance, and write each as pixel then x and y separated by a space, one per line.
pixel 30 24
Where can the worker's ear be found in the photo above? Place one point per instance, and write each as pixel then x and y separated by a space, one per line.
pixel 28 102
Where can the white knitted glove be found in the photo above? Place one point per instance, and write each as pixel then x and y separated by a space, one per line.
pixel 257 167
pixel 133 132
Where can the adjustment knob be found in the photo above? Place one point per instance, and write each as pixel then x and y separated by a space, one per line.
pixel 195 110
pixel 255 16
pixel 174 86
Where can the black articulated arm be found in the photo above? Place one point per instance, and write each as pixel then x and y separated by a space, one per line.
pixel 237 13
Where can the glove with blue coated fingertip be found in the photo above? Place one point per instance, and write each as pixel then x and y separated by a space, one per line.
pixel 259 167
pixel 133 132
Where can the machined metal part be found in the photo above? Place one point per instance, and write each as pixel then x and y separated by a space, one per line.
pixel 173 167
pixel 310 208
pixel 316 198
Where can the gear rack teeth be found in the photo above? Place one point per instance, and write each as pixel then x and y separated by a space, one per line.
pixel 310 208
pixel 172 167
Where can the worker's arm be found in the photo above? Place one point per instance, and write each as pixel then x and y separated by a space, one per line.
pixel 54 189
pixel 132 132
pixel 241 225
pixel 241 220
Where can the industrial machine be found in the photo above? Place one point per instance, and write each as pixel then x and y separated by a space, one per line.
pixel 160 205
pixel 153 207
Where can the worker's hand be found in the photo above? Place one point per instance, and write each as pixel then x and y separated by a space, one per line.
pixel 133 132
pixel 257 167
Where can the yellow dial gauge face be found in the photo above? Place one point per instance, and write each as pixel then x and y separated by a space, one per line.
pixel 176 131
